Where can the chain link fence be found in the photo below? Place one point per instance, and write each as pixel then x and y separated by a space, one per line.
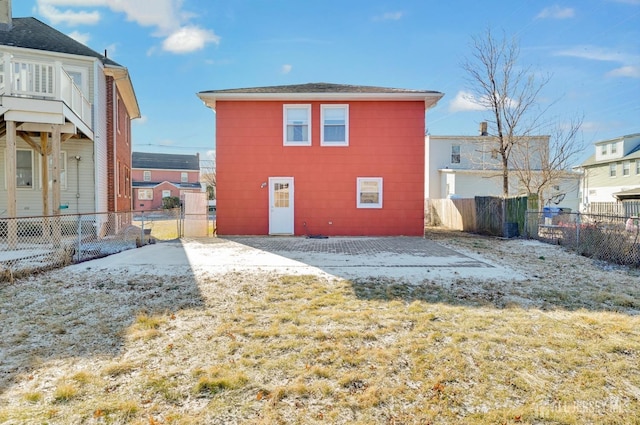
pixel 32 244
pixel 611 238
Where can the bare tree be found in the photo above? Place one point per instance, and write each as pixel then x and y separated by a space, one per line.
pixel 507 90
pixel 540 166
pixel 208 177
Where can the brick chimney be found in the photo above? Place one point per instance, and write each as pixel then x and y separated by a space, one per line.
pixel 483 128
pixel 5 15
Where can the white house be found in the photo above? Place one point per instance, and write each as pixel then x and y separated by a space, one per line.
pixel 468 166
pixel 65 113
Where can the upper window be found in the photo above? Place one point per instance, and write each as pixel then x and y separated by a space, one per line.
pixel 297 125
pixel 146 175
pixel 184 177
pixel 612 170
pixel 455 154
pixel 614 148
pixel 24 168
pixel 335 125
pixel 603 149
pixel 369 192
pixel 626 168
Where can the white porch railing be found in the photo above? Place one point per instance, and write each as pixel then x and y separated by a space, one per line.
pixel 44 81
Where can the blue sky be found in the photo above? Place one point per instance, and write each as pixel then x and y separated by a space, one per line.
pixel 176 48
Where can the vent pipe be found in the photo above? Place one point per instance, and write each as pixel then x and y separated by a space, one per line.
pixel 483 128
pixel 5 15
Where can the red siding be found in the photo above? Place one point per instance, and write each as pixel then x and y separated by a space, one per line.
pixel 386 139
pixel 118 151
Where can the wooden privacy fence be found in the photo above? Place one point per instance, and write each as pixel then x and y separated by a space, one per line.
pixel 483 214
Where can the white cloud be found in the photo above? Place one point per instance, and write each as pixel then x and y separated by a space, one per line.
pixel 286 68
pixel 69 17
pixel 167 18
pixel 142 120
pixel 210 155
pixel 389 16
pixel 556 12
pixel 625 71
pixel 81 37
pixel 189 39
pixel 465 101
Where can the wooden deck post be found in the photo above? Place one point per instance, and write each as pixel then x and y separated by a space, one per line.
pixel 12 209
pixel 55 186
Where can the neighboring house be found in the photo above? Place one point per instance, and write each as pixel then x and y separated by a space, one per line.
pixel 612 173
pixel 158 175
pixel 320 159
pixel 65 123
pixel 469 166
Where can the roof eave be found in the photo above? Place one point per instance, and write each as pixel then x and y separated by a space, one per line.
pixel 430 99
pixel 123 81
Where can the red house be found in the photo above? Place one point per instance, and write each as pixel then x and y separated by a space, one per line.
pixel 320 158
pixel 159 175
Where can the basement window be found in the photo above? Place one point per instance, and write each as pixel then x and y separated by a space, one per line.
pixel 369 192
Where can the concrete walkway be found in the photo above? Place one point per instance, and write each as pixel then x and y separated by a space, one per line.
pixel 410 258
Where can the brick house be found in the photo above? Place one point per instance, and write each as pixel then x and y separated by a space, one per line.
pixel 156 176
pixel 320 158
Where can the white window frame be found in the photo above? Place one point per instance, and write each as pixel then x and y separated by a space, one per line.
pixel 455 157
pixel 637 166
pixel 33 173
pixel 340 143
pixel 84 77
pixel 63 170
pixel 613 170
pixel 603 150
pixel 626 168
pixel 359 182
pixel 166 194
pixel 614 148
pixel 146 197
pixel 285 115
pixel 146 175
pixel 184 177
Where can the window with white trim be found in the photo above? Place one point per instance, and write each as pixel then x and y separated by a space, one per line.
pixel 166 193
pixel 626 168
pixel 334 130
pixel 24 168
pixel 455 154
pixel 369 192
pixel 614 147
pixel 603 149
pixel 184 177
pixel 146 175
pixel 637 166
pixel 297 125
pixel 63 170
pixel 145 194
pixel 612 170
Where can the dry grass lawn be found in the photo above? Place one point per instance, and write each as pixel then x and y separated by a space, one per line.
pixel 560 348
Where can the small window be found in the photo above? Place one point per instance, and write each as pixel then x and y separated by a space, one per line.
pixel 184 177
pixel 335 125
pixel 297 125
pixel 614 147
pixel 145 194
pixel 612 170
pixel 603 149
pixel 369 192
pixel 24 168
pixel 166 193
pixel 626 168
pixel 637 166
pixel 455 154
pixel 146 176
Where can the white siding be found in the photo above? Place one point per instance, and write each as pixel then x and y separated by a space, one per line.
pixel 100 143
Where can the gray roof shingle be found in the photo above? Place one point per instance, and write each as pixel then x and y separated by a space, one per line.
pixel 165 161
pixel 318 88
pixel 30 33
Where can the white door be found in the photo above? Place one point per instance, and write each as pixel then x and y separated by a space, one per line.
pixel 281 205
